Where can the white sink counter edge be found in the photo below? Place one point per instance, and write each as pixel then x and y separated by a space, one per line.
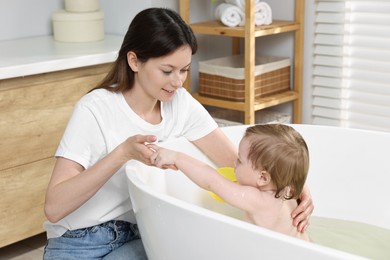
pixel 36 55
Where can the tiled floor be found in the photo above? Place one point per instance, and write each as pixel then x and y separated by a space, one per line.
pixel 29 249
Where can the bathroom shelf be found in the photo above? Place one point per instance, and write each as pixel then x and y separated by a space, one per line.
pixel 261 103
pixel 249 32
pixel 216 28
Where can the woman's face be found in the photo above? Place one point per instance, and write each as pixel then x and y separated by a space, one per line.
pixel 160 77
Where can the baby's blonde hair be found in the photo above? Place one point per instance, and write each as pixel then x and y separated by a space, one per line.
pixel 282 152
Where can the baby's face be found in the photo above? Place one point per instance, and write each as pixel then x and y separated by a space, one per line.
pixel 243 169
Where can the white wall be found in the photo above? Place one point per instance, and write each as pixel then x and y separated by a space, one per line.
pixel 27 18
pixel 119 13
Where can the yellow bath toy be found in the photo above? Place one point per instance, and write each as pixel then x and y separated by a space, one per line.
pixel 228 173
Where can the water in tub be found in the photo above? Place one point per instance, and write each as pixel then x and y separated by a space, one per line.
pixel 353 237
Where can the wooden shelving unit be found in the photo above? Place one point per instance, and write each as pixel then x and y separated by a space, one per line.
pixel 249 33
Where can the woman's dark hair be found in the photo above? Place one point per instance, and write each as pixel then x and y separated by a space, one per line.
pixel 154 32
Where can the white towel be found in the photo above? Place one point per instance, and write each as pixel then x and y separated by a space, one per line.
pixel 230 15
pixel 263 12
pixel 263 16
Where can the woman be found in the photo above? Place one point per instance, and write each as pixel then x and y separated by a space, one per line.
pixel 140 101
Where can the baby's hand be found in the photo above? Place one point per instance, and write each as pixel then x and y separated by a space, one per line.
pixel 163 158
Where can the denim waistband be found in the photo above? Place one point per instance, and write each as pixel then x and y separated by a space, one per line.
pixel 119 225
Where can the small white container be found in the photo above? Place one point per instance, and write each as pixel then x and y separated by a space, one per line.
pixel 78 27
pixel 79 6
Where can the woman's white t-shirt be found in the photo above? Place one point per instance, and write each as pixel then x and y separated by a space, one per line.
pixel 102 120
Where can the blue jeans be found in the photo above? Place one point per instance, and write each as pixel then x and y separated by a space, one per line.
pixel 111 240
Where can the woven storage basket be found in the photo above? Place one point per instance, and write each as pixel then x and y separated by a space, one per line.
pixel 225 77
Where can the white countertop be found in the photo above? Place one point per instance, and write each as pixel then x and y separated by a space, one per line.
pixel 35 55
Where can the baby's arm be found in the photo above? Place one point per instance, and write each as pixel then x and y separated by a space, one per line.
pixel 199 172
pixel 243 197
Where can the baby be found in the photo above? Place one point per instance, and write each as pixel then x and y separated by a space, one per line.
pixel 271 170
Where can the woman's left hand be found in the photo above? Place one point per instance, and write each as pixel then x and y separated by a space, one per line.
pixel 301 215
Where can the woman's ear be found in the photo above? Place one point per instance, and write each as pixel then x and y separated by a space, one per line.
pixel 132 61
pixel 264 178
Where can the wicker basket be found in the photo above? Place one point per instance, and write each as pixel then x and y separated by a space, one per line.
pixel 225 77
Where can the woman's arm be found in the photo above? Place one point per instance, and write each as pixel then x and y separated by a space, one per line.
pixel 218 148
pixel 71 185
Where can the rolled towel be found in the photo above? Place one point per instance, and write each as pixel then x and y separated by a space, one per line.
pixel 230 15
pixel 263 14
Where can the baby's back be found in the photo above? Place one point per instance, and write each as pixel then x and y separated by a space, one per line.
pixel 277 217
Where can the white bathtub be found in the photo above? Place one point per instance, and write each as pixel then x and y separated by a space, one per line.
pixel 348 178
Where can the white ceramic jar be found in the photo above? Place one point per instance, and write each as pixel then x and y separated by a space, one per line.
pixel 78 27
pixel 79 6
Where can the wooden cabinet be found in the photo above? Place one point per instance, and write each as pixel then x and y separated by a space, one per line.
pixel 34 111
pixel 249 32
